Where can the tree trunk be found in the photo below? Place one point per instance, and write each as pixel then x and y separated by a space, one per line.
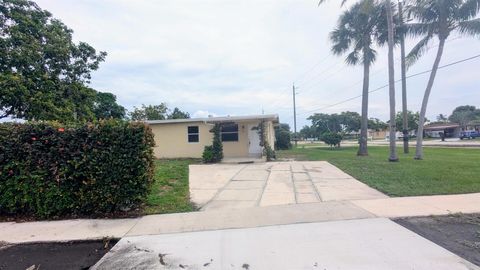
pixel 419 149
pixel 391 82
pixel 404 83
pixel 362 150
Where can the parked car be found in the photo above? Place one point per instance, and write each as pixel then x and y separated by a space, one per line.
pixel 470 134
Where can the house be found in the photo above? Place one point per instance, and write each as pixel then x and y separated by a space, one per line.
pixel 186 138
pixel 451 130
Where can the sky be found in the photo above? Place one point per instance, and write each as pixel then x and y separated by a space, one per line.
pixel 229 57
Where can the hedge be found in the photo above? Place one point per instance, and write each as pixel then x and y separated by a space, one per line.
pixel 47 169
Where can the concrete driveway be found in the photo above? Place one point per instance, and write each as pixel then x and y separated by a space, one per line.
pixel 233 186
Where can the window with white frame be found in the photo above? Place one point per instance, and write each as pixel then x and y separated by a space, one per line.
pixel 193 134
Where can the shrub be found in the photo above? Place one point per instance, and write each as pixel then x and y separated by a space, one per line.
pixel 47 169
pixel 283 139
pixel 207 155
pixel 332 139
pixel 268 152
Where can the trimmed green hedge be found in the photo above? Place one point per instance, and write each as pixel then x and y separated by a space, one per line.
pixel 47 169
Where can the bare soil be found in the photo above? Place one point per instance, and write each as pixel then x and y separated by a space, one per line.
pixel 69 255
pixel 458 233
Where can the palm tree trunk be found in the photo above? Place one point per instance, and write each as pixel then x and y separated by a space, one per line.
pixel 404 83
pixel 362 150
pixel 419 149
pixel 391 83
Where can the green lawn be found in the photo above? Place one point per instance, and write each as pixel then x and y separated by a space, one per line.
pixel 169 193
pixel 443 170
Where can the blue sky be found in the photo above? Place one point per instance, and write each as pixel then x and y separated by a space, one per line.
pixel 235 57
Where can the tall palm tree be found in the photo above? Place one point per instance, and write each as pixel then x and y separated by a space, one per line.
pixel 401 33
pixel 357 31
pixel 391 75
pixel 438 18
pixel 391 83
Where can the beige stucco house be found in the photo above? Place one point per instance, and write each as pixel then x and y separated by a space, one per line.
pixel 186 138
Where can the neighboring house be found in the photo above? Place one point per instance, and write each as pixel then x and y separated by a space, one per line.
pixel 186 138
pixel 473 125
pixel 451 130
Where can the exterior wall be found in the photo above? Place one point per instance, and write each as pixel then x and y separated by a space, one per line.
pixel 171 140
pixel 239 148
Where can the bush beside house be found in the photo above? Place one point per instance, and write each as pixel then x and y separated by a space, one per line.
pixel 47 169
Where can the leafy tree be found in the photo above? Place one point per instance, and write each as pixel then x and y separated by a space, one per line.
pixel 178 114
pixel 376 124
pixel 323 122
pixel 438 18
pixel 105 106
pixel 358 29
pixel 42 71
pixel 283 137
pixel 308 132
pixel 442 118
pixel 412 118
pixel 464 114
pixel 350 121
pixel 150 112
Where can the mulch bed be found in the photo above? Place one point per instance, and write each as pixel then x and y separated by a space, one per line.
pixel 67 255
pixel 459 233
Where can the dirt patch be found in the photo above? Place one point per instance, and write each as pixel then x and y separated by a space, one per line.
pixel 70 255
pixel 458 233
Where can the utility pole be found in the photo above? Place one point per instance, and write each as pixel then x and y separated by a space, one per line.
pixel 294 117
pixel 404 81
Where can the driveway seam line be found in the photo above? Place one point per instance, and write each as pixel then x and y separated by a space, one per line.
pixel 293 184
pixel 313 184
pixel 264 186
pixel 224 186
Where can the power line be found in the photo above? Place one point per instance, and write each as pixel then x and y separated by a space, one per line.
pixel 384 86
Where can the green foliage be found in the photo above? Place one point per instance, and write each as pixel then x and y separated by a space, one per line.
pixel 178 114
pixel 106 107
pixel 268 152
pixel 48 169
pixel 412 118
pixel 150 112
pixel 208 156
pixel 214 153
pixel 376 124
pixel 283 137
pixel 43 73
pixel 332 139
pixel 464 114
pixel 217 146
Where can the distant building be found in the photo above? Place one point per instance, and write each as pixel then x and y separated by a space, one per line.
pixel 450 130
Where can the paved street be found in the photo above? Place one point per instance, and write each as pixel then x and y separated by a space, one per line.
pixel 226 186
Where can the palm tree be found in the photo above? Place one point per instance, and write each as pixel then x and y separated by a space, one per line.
pixel 358 30
pixel 391 83
pixel 401 33
pixel 391 76
pixel 438 18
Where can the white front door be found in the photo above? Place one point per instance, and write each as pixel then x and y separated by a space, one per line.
pixel 254 148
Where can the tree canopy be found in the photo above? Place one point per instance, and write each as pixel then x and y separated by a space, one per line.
pixel 464 114
pixel 43 73
pixel 105 106
pixel 178 114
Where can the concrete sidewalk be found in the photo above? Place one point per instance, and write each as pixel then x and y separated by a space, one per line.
pixel 66 230
pixel 354 244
